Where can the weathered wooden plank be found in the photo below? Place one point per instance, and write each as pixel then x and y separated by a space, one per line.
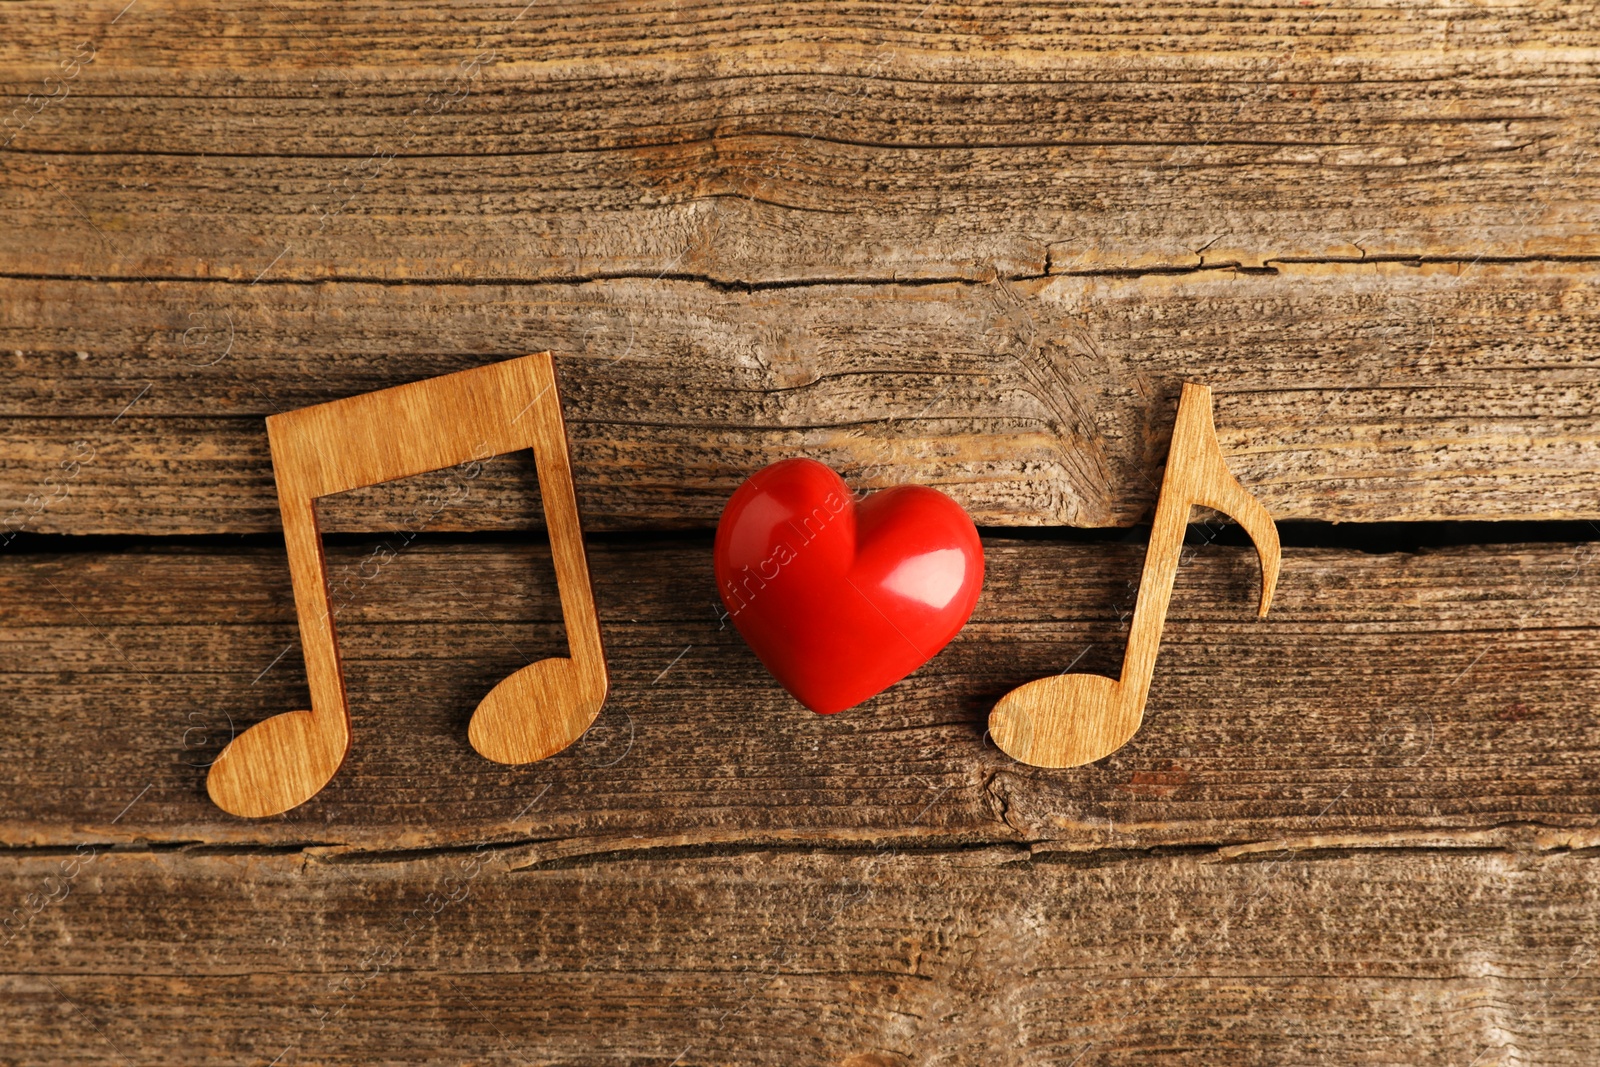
pixel 769 142
pixel 1029 168
pixel 1354 392
pixel 1441 693
pixel 868 959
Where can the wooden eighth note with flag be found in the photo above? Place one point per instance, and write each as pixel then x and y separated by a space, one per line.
pixel 1068 720
pixel 397 433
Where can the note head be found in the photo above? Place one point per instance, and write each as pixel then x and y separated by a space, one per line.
pixel 277 764
pixel 537 711
pixel 1065 720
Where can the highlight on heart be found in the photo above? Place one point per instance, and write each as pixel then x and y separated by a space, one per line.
pixel 839 599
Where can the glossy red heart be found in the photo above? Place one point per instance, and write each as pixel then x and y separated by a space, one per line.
pixel 841 600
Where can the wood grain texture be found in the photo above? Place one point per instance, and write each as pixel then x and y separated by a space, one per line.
pixel 1351 393
pixel 759 142
pixel 973 246
pixel 1439 696
pixel 865 959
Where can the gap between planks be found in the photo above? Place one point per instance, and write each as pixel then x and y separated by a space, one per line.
pixel 1517 838
pixel 1264 266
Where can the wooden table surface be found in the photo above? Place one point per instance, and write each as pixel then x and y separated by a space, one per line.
pixel 977 246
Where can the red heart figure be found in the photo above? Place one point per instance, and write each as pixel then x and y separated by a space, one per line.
pixel 841 601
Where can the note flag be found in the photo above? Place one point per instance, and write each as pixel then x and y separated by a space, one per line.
pixel 396 433
pixel 1067 720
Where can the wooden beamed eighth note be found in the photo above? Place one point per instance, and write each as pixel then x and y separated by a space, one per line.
pixel 378 437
